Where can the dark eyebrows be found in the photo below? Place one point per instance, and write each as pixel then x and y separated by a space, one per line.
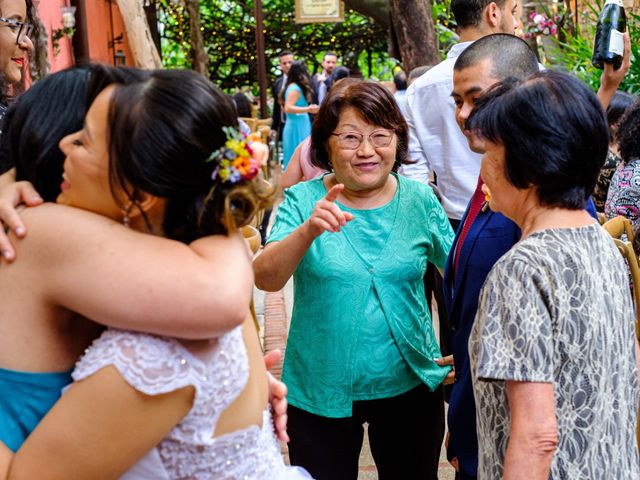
pixel 470 91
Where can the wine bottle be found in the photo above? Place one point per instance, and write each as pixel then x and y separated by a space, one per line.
pixel 609 43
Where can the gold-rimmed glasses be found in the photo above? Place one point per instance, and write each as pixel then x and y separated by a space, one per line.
pixel 379 138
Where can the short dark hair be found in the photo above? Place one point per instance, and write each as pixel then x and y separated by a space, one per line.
pixel 554 132
pixel 373 102
pixel 510 56
pixel 34 124
pixel 618 105
pixel 400 81
pixel 339 73
pixel 242 103
pixel 418 72
pixel 628 133
pixel 162 132
pixel 284 53
pixel 468 13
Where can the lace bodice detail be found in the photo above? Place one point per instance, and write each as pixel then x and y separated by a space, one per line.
pixel 155 365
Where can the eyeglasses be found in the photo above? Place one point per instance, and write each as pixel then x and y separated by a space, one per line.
pixel 21 29
pixel 353 140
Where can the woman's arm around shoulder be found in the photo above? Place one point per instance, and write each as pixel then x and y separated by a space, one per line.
pixel 125 279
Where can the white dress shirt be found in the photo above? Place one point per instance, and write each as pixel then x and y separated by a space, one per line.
pixel 435 140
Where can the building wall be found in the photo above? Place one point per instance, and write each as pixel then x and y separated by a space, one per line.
pixel 98 22
pixel 51 17
pixel 102 23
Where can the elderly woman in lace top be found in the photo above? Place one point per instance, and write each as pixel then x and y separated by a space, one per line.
pixel 553 340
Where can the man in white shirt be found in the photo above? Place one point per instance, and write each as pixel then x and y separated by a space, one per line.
pixel 435 140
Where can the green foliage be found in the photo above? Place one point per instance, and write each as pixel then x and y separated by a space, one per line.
pixel 229 36
pixel 445 25
pixel 573 53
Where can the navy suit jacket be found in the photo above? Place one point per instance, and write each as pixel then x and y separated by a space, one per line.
pixel 491 235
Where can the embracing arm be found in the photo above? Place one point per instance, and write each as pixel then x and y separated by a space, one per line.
pixel 533 437
pixel 125 279
pixel 98 430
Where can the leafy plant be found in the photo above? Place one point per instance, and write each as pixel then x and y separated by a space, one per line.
pixel 573 53
pixel 229 34
pixel 58 34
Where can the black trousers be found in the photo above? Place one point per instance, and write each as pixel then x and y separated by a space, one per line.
pixel 405 436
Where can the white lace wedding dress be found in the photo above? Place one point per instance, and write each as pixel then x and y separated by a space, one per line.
pixel 156 365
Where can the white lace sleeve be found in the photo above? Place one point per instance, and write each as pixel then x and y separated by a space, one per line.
pixel 150 364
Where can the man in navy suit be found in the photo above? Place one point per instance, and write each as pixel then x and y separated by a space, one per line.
pixel 482 237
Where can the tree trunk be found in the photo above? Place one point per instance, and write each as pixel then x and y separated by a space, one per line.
pixel 413 25
pixel 198 55
pixel 144 50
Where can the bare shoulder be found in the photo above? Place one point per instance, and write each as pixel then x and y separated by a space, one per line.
pixel 54 227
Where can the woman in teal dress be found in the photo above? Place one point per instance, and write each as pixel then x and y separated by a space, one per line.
pixel 297 106
pixel 361 343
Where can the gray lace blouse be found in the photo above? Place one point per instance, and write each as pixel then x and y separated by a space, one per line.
pixel 556 308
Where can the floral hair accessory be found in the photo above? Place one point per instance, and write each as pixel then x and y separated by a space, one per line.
pixel 240 159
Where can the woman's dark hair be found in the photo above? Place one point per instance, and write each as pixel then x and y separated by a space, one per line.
pixel 162 132
pixel 554 132
pixel 34 124
pixel 628 133
pixel 373 102
pixel 242 103
pixel 617 106
pixel 299 75
pixel 52 108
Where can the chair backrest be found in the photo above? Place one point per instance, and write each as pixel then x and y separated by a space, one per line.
pixel 617 227
pixel 250 121
pixel 263 122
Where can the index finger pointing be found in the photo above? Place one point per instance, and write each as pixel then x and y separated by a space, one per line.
pixel 333 192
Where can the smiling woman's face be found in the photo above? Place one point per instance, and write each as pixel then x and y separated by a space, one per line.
pixel 13 55
pixel 367 167
pixel 85 180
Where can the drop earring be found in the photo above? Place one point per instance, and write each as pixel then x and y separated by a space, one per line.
pixel 125 220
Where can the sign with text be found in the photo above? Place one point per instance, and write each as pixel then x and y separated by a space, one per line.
pixel 315 11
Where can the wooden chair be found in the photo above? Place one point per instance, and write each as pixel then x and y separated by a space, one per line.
pixel 252 237
pixel 602 218
pixel 263 122
pixel 250 121
pixel 617 227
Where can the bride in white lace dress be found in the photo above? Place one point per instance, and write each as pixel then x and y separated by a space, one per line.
pixel 145 406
